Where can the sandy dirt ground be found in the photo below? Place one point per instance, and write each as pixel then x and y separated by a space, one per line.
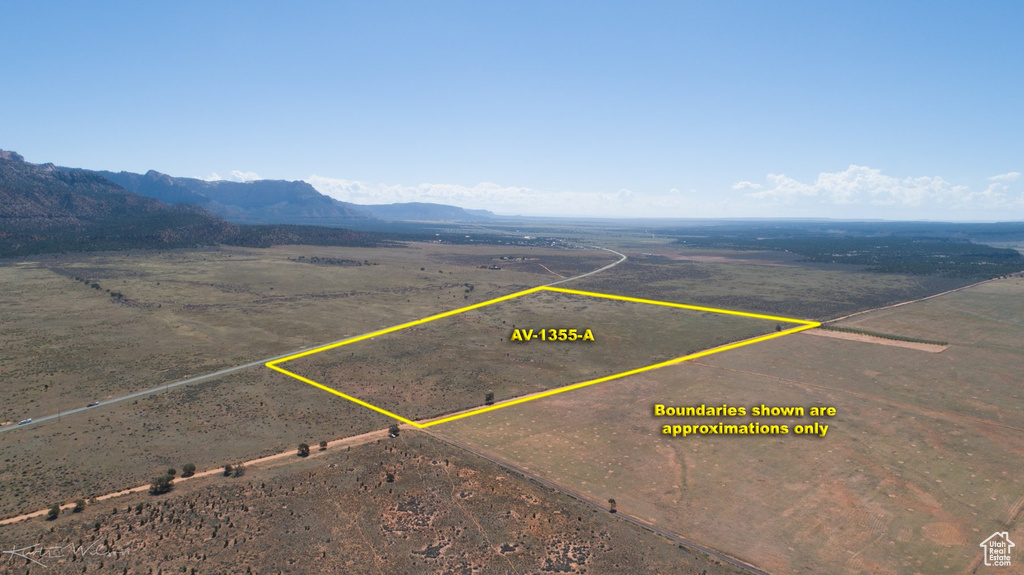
pixel 718 259
pixel 929 347
pixel 268 461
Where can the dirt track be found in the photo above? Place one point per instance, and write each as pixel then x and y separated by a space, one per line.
pixel 263 461
pixel 282 457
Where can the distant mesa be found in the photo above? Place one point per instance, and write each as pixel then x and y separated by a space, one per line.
pixel 267 201
pixel 420 211
pixel 48 209
pixel 256 202
pixel 280 201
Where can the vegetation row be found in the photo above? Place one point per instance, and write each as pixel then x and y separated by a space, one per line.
pixel 882 335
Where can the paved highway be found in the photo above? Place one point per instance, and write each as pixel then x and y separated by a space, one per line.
pixel 147 392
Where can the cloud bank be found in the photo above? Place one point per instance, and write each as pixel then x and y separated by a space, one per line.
pixel 507 200
pixel 856 192
pixel 864 188
pixel 235 176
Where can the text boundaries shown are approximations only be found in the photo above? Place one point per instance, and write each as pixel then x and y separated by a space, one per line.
pixel 801 326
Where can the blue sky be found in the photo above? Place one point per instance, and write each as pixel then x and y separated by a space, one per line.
pixel 892 110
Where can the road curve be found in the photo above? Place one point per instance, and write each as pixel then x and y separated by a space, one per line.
pixel 622 258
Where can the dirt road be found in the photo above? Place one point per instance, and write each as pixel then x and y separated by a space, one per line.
pixel 262 462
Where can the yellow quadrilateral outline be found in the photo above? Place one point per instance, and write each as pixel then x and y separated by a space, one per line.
pixel 275 365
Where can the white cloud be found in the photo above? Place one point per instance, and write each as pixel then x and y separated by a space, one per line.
pixel 865 186
pixel 856 192
pixel 1007 177
pixel 240 176
pixel 508 200
pixel 512 200
pixel 236 176
pixel 746 186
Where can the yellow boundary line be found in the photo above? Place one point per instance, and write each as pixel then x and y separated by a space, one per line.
pixel 804 325
pixel 405 325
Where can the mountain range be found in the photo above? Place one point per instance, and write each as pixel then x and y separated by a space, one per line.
pixel 45 208
pixel 280 201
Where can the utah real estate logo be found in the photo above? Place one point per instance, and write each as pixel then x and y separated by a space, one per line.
pixel 997 549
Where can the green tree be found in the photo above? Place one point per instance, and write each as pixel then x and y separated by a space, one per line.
pixel 228 470
pixel 188 470
pixel 611 506
pixel 54 512
pixel 323 445
pixel 79 506
pixel 393 430
pixel 489 398
pixel 239 470
pixel 303 450
pixel 161 484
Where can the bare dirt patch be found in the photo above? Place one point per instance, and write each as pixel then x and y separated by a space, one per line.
pixel 929 347
pixel 406 505
pixel 945 534
pixel 719 259
pixel 923 460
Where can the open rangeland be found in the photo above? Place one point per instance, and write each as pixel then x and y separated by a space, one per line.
pixel 68 341
pixel 410 504
pixel 923 460
pixel 185 313
pixel 452 363
pixel 89 327
pixel 771 282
